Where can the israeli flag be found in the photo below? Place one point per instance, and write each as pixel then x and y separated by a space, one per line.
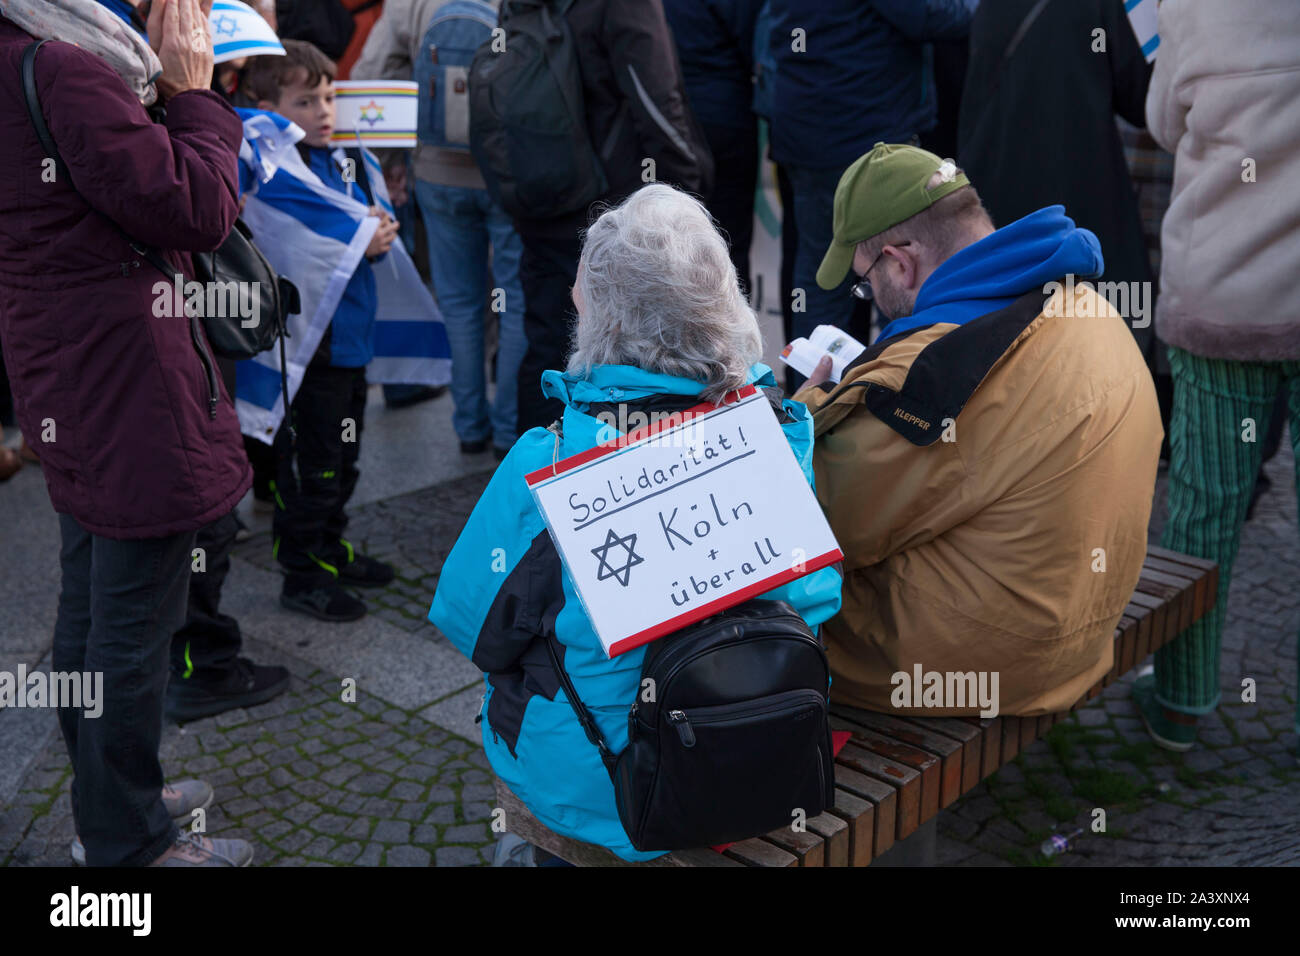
pixel 315 237
pixel 239 30
pixel 1142 17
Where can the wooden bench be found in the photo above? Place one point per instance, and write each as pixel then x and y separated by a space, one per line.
pixel 897 773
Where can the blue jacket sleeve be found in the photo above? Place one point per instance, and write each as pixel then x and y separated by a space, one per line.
pixel 486 596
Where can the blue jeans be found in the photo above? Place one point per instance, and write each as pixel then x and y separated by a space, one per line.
pixel 119 605
pixel 461 224
pixel 814 197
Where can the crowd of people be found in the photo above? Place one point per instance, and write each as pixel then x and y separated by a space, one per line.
pixel 971 462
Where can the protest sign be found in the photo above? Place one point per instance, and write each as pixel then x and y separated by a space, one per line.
pixel 682 519
pixel 375 113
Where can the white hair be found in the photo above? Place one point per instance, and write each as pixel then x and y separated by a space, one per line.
pixel 660 292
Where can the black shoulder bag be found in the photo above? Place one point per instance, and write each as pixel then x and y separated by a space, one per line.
pixel 729 736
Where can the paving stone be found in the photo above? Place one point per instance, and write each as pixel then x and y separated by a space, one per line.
pixel 468 833
pixel 371 856
pixel 391 831
pixel 344 852
pixel 405 790
pixel 443 813
pixel 407 856
pixel 457 856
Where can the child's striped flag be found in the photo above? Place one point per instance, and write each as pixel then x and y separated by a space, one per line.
pixel 1142 16
pixel 315 237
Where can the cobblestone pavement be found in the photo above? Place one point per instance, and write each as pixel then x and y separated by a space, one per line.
pixel 309 779
pixel 315 781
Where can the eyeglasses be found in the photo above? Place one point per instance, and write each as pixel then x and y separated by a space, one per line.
pixel 862 288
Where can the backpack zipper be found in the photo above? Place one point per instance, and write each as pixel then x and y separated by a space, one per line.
pixel 727 713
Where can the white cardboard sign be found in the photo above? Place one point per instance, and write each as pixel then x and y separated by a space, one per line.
pixel 682 519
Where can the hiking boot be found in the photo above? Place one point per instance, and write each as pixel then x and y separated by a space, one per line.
pixel 325 602
pixel 181 799
pixel 1168 728
pixel 245 684
pixel 362 571
pixel 192 849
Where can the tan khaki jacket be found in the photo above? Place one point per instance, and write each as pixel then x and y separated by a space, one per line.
pixel 990 486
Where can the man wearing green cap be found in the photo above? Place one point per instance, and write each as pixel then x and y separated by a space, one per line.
pixel 987 464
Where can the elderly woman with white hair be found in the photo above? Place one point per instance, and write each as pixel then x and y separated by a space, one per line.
pixel 662 326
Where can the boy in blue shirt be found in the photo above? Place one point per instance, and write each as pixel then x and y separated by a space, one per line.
pixel 329 408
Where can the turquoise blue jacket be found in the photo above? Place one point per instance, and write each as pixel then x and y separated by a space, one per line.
pixel 503 588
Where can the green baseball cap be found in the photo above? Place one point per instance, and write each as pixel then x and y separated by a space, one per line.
pixel 880 190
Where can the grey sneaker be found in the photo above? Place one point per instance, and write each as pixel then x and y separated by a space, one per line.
pixel 184 797
pixel 181 800
pixel 191 849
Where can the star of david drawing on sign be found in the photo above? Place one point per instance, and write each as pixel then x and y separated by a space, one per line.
pixel 631 558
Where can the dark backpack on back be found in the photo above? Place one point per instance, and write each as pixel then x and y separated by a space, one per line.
pixel 528 121
pixel 447 49
pixel 325 23
pixel 736 739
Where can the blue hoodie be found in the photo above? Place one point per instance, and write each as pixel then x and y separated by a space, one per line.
pixel 497 575
pixel 991 274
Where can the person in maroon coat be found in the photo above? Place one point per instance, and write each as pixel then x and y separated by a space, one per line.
pixel 137 437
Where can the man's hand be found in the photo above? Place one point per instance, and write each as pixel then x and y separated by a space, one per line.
pixel 820 374
pixel 179 34
pixel 383 238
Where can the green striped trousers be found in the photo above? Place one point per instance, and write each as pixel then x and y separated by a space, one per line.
pixel 1220 416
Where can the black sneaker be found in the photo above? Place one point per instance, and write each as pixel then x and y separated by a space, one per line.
pixel 474 447
pixel 244 685
pixel 416 396
pixel 364 571
pixel 326 602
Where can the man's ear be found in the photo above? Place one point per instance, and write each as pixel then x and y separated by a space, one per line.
pixel 907 264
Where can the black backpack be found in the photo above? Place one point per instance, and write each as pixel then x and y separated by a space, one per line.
pixel 527 118
pixel 731 736
pixel 325 23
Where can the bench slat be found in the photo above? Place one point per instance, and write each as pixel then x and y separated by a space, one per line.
pixel 1010 740
pixel 947 750
pixel 971 738
pixel 905 781
pixel 859 814
pixel 890 748
pixel 835 837
pixel 884 800
pixel 807 847
pixel 756 852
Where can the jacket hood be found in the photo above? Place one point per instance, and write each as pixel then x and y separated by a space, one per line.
pixel 618 383
pixel 991 274
pixel 615 383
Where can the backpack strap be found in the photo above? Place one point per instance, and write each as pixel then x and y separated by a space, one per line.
pixel 34 112
pixel 607 756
